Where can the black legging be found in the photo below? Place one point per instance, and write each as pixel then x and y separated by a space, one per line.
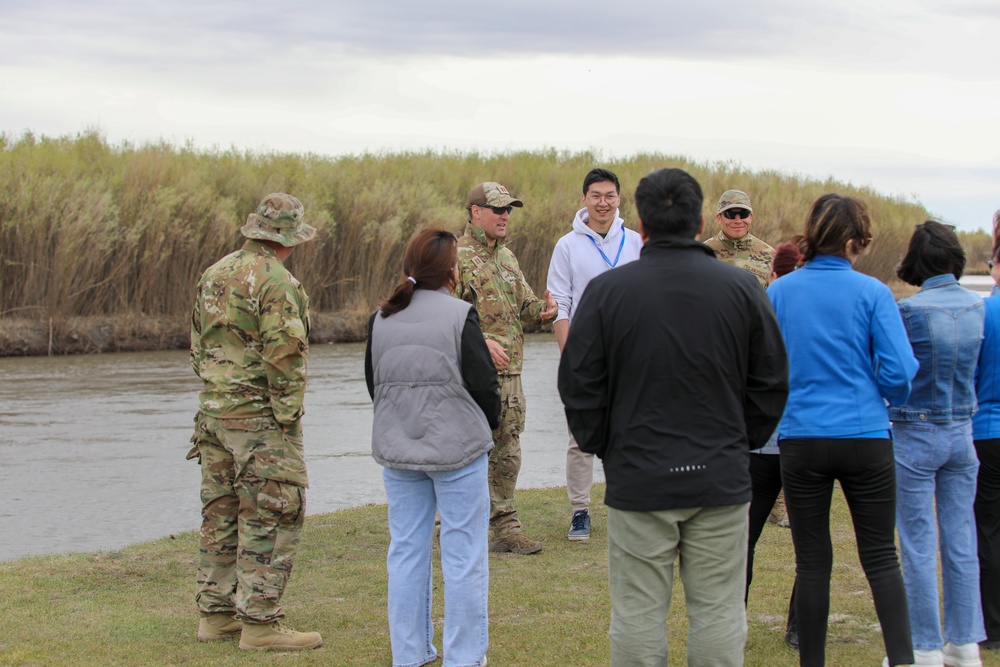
pixel 867 473
pixel 988 533
pixel 765 478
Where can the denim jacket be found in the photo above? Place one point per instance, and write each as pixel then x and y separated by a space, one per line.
pixel 945 325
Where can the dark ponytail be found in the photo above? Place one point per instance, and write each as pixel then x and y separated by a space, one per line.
pixel 428 263
pixel 833 222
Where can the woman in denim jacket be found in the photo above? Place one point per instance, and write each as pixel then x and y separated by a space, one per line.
pixel 936 462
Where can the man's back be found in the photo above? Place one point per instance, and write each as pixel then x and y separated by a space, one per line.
pixel 249 336
pixel 683 338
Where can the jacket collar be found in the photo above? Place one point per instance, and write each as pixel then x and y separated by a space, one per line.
pixel 829 262
pixel 480 236
pixel 260 248
pixel 745 243
pixel 660 243
pixel 939 281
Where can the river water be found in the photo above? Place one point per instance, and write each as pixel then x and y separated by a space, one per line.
pixel 92 446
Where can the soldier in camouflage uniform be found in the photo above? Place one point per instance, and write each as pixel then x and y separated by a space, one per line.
pixel 734 243
pixel 491 280
pixel 249 344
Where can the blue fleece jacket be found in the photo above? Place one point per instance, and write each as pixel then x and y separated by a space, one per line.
pixel 847 351
pixel 986 422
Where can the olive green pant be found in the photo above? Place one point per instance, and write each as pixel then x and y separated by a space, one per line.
pixel 251 525
pixel 505 458
pixel 710 545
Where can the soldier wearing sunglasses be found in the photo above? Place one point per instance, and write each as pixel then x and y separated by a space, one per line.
pixel 491 280
pixel 734 243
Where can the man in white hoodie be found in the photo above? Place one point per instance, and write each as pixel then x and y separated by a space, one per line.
pixel 599 242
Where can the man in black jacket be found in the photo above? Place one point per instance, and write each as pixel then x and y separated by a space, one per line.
pixel 673 370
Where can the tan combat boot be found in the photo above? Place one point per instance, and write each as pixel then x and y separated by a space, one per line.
pixel 515 543
pixel 275 637
pixel 213 627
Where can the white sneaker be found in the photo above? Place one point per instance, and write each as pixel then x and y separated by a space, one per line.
pixel 929 658
pixel 962 655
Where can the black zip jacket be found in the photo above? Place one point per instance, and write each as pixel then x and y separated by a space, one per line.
pixel 673 370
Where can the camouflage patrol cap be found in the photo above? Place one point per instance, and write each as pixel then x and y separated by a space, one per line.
pixel 278 218
pixel 734 199
pixel 491 194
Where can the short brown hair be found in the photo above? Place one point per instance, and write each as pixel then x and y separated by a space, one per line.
pixel 787 258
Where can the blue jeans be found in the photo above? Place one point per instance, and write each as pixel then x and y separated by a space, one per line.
pixel 462 499
pixel 936 465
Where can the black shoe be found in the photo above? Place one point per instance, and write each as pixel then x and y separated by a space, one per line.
pixel 792 639
pixel 990 645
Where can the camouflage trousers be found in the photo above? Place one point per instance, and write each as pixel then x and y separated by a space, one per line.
pixel 505 458
pixel 251 525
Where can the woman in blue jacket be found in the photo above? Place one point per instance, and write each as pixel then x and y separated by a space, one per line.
pixel 935 460
pixel 986 431
pixel 847 353
pixel 437 400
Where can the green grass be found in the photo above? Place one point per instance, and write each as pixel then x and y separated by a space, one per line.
pixel 135 606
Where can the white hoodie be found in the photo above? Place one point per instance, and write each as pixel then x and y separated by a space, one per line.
pixel 577 259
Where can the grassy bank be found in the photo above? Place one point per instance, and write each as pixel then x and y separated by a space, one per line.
pixel 89 229
pixel 134 606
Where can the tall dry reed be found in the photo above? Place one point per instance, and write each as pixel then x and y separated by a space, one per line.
pixel 88 228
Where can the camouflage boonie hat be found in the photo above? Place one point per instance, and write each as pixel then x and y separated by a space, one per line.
pixel 278 218
pixel 734 199
pixel 491 194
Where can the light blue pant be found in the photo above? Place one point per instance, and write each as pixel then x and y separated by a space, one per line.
pixel 462 499
pixel 936 465
pixel 711 545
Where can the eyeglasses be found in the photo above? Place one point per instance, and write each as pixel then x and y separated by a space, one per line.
pixel 990 264
pixel 499 210
pixel 734 213
pixel 597 199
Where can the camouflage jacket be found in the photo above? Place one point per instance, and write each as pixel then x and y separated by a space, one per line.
pixel 249 337
pixel 491 280
pixel 748 253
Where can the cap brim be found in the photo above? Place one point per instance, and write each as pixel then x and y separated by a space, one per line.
pixel 287 238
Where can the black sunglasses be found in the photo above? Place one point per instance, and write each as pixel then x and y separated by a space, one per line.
pixel 734 213
pixel 499 210
pixel 990 264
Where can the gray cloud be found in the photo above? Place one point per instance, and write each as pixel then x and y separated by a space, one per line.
pixel 145 34
pixel 233 43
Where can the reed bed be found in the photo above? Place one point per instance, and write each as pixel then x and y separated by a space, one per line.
pixel 90 229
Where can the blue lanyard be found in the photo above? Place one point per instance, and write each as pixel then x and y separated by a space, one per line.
pixel 617 257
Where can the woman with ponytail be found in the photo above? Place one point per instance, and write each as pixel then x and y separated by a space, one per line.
pixel 848 354
pixel 436 398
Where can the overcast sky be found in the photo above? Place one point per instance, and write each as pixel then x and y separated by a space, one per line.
pixel 899 95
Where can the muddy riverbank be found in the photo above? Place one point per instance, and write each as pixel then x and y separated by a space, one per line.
pixel 140 333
